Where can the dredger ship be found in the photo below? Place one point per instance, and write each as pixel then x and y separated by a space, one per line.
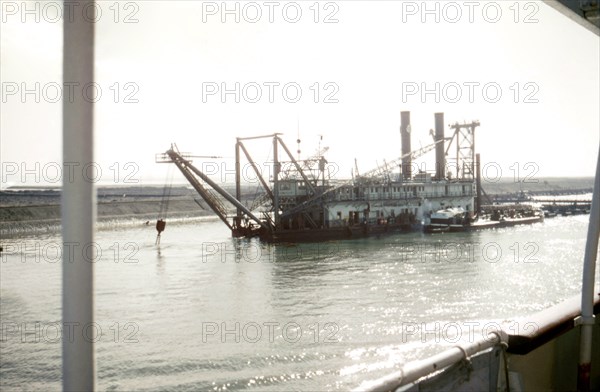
pixel 300 203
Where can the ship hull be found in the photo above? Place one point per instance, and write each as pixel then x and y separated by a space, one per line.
pixel 335 233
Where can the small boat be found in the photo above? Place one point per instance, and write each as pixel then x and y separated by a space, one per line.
pixel 458 220
pixel 448 219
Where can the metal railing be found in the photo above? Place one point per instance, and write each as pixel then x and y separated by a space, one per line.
pixel 416 370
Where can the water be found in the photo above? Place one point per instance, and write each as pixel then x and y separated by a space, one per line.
pixel 206 312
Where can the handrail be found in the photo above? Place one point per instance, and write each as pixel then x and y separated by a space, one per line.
pixel 413 371
pixel 547 325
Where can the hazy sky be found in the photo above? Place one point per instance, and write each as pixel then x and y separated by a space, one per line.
pixel 161 77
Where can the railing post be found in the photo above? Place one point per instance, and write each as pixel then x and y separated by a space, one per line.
pixel 587 289
pixel 78 205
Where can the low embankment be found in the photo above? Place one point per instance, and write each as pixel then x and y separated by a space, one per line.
pixel 145 209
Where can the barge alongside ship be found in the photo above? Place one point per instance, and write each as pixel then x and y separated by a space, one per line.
pixel 301 203
pixel 457 220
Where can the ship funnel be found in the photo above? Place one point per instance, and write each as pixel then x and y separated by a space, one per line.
pixel 440 159
pixel 405 139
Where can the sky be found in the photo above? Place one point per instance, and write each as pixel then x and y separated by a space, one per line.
pixel 200 74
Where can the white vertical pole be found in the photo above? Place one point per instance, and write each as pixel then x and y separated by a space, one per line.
pixel 78 202
pixel 587 289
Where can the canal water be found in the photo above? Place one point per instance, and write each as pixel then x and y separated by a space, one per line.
pixel 203 311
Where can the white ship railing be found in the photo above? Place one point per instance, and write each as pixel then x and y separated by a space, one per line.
pixel 416 370
pixel 541 367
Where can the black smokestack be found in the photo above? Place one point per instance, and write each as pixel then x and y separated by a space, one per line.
pixel 440 159
pixel 405 139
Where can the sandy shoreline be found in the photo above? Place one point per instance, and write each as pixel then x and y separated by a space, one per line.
pixel 32 219
pixel 112 210
pixel 30 211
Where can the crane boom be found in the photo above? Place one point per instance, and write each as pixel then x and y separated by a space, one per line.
pixel 190 172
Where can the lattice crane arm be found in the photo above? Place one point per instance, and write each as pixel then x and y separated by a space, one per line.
pixel 398 161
